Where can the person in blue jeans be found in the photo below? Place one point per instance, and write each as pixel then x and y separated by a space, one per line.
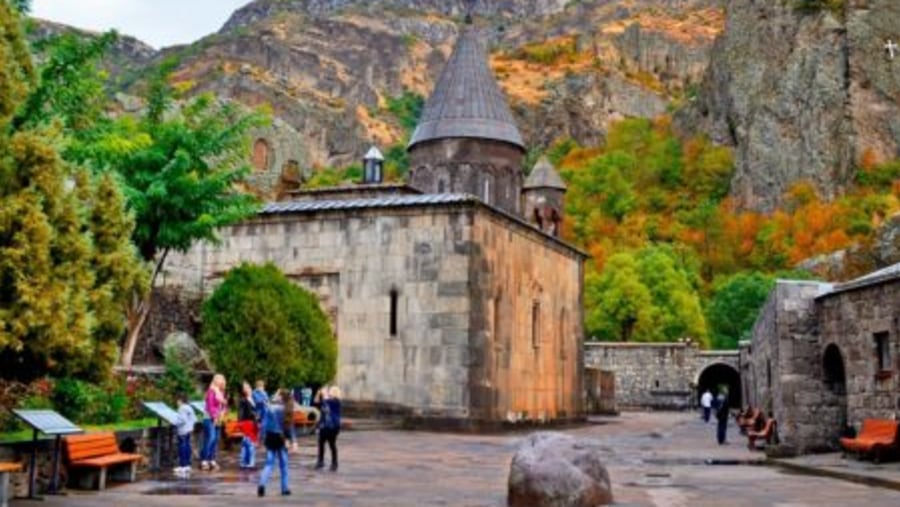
pixel 216 406
pixel 187 419
pixel 274 423
pixel 248 426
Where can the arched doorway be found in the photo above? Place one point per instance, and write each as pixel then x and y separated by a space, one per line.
pixel 835 378
pixel 718 375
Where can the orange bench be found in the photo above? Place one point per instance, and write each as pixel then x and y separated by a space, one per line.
pixel 99 451
pixel 767 434
pixel 877 437
pixel 5 470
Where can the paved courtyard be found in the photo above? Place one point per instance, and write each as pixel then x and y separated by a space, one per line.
pixel 655 459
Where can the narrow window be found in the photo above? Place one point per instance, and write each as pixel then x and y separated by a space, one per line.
pixel 536 325
pixel 487 191
pixel 883 351
pixel 395 297
pixel 442 187
pixel 563 334
pixel 769 373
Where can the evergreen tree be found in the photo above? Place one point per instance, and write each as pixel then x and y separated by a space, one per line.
pixel 55 315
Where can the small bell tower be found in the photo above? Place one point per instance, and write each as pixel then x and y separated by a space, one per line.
pixel 373 167
pixel 543 197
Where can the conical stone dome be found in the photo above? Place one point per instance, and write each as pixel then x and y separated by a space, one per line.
pixel 467 102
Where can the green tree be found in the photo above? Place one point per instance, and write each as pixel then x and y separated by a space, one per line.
pixel 60 299
pixel 180 165
pixel 646 296
pixel 258 324
pixel 735 305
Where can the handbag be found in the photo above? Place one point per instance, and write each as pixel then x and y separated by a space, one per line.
pixel 274 441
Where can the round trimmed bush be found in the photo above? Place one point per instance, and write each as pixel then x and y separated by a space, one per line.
pixel 260 325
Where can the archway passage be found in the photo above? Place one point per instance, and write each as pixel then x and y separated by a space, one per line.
pixel 719 375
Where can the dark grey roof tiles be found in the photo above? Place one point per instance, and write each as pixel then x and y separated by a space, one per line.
pixel 467 102
pixel 282 208
pixel 544 175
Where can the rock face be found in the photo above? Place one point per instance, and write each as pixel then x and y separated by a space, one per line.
pixel 801 95
pixel 556 470
pixel 183 347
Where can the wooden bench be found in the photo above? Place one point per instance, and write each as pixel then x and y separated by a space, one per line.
pixel 767 434
pixel 5 470
pixel 99 451
pixel 232 431
pixel 877 438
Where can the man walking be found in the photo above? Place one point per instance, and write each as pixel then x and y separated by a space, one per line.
pixel 722 416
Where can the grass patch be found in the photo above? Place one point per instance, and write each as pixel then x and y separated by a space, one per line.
pixel 26 434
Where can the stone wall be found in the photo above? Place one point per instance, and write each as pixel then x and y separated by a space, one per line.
pixel 526 324
pixel 655 375
pixel 490 170
pixel 851 320
pixel 279 164
pixel 785 374
pixel 442 269
pixel 172 310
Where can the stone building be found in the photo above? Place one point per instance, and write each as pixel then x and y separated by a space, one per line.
pixel 823 356
pixel 448 306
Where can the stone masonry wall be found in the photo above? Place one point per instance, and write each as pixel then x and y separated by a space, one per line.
pixel 851 321
pixel 786 374
pixel 526 328
pixel 444 269
pixel 362 257
pixel 655 375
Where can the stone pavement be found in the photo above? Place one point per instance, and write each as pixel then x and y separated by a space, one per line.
pixel 850 469
pixel 655 459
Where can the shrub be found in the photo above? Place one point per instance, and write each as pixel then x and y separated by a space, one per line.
pixel 258 324
pixel 87 403
pixel 178 377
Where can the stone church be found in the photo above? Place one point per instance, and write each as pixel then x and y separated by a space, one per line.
pixel 452 298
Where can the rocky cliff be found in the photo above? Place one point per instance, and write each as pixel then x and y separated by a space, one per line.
pixel 802 95
pixel 329 68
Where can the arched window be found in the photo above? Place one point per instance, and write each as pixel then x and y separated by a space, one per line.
pixel 290 173
pixel 261 155
pixel 442 187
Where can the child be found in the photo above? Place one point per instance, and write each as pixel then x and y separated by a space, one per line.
pixel 247 424
pixel 260 400
pixel 187 419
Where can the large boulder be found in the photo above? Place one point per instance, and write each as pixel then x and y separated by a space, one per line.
pixel 185 349
pixel 556 470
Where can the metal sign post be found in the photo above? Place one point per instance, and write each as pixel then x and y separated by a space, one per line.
pixel 163 413
pixel 49 423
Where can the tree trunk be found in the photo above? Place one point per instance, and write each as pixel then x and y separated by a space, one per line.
pixel 138 313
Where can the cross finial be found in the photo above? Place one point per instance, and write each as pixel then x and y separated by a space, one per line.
pixel 891 48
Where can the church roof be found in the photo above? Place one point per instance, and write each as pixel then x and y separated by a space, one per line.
pixel 466 101
pixel 404 201
pixel 544 175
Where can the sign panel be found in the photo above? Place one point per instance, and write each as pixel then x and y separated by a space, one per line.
pixel 47 422
pixel 162 411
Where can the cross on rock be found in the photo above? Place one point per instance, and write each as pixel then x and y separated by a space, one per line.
pixel 891 48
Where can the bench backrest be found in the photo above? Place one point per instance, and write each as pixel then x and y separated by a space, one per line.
pixel 881 429
pixel 79 447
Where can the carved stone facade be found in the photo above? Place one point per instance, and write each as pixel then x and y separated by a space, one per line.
pixel 277 160
pixel 490 170
pixel 824 356
pixel 445 310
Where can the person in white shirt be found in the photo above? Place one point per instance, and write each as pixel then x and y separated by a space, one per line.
pixel 706 402
pixel 187 419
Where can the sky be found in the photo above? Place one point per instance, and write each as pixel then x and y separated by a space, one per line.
pixel 159 23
